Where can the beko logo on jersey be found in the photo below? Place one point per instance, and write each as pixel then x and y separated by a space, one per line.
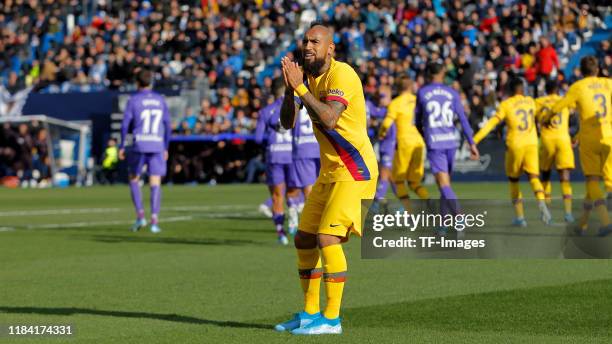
pixel 335 92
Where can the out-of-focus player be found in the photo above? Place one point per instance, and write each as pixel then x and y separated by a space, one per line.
pixel 518 112
pixel 409 156
pixel 304 169
pixel 279 148
pixel 591 96
pixel 386 145
pixel 555 146
pixel 335 102
pixel 148 119
pixel 437 106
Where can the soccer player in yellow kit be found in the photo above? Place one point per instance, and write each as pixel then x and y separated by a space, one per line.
pixel 336 104
pixel 555 146
pixel 521 148
pixel 410 153
pixel 591 96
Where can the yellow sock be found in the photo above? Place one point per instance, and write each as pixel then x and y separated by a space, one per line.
pixel 547 186
pixel 419 190
pixel 538 189
pixel 599 204
pixel 402 193
pixel 517 199
pixel 309 265
pixel 583 221
pixel 334 277
pixel 566 191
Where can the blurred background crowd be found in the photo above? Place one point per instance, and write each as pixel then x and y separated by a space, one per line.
pixel 229 51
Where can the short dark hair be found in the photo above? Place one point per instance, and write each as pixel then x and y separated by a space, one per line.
pixel 403 83
pixel 589 66
pixel 317 23
pixel 434 68
pixel 144 78
pixel 552 87
pixel 515 84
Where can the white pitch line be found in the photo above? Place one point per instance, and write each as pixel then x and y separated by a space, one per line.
pixel 6 229
pixel 100 223
pixel 58 211
pixel 72 211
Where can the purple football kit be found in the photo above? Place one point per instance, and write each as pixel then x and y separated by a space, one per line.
pixel 435 111
pixel 386 146
pixel 279 144
pixel 436 108
pixel 306 155
pixel 147 118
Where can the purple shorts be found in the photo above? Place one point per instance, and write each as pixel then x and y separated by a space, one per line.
pixel 303 172
pixel 277 173
pixel 386 160
pixel 156 165
pixel 441 160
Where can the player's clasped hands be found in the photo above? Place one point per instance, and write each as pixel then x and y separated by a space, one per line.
pixel 292 73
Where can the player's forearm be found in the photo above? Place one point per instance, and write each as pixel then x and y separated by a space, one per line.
pixel 385 125
pixel 467 129
pixel 561 104
pixel 289 110
pixel 167 138
pixel 124 132
pixel 484 131
pixel 320 112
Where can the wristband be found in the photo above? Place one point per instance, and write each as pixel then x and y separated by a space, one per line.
pixel 301 90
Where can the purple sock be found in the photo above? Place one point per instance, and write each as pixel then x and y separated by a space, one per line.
pixel 301 198
pixel 381 189
pixel 448 200
pixel 268 202
pixel 279 223
pixel 137 199
pixel 155 202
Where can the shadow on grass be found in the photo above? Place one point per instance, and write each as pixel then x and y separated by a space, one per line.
pixel 167 240
pixel 124 314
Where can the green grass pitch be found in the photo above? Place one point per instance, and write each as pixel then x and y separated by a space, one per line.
pixel 216 275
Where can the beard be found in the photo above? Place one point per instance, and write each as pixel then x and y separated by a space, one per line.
pixel 313 68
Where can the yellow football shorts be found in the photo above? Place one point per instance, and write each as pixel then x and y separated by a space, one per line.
pixel 335 208
pixel 408 163
pixel 596 160
pixel 557 150
pixel 521 158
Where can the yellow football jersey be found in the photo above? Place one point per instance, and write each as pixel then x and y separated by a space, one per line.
pixel 552 125
pixel 592 98
pixel 346 150
pixel 401 111
pixel 518 112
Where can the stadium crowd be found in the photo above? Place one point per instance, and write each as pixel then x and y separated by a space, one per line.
pixel 229 50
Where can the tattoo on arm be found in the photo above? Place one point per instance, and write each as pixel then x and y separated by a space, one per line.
pixel 325 114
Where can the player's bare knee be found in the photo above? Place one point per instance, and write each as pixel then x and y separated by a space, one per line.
pixel 564 175
pixel 134 178
pixel 154 180
pixel 304 241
